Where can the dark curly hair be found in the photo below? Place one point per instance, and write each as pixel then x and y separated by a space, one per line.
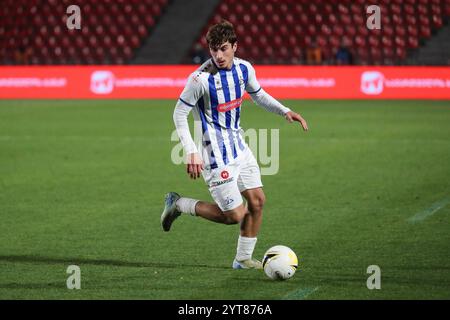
pixel 221 33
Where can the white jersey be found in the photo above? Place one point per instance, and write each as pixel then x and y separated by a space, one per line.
pixel 216 98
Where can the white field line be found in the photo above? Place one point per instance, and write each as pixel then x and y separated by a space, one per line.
pixel 435 207
pixel 300 294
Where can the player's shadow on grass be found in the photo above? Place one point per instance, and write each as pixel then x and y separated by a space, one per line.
pixel 101 262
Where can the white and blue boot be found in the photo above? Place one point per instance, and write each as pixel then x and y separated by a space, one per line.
pixel 170 212
pixel 247 264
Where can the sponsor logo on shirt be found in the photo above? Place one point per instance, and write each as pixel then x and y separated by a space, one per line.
pixel 224 107
pixel 219 183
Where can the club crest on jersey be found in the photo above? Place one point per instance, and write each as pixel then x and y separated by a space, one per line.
pixel 224 174
pixel 227 106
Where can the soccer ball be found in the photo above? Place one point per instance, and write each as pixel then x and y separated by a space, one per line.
pixel 280 263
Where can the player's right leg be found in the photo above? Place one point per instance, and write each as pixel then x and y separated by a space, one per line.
pixel 171 211
pixel 227 209
pixel 175 205
pixel 212 212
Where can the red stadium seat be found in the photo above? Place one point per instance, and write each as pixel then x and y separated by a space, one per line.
pixel 400 31
pixel 396 9
pixel 409 10
pixel 334 41
pixel 446 10
pixel 397 20
pixel 400 53
pixel 360 41
pixel 338 30
pixel 412 42
pixel 376 55
pixel 436 10
pixel 424 31
pixel 437 21
pixel 413 31
pixel 332 18
pixel 388 30
pixel 387 42
pixel 422 10
pixel 363 55
pixel 350 30
pixel 346 19
pixel 374 41
pixel 322 41
pixel 399 42
pixel 388 55
pixel 359 21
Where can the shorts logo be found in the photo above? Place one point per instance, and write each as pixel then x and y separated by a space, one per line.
pixel 224 174
pixel 228 201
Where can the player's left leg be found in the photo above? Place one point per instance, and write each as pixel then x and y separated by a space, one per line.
pixel 250 186
pixel 249 229
pixel 252 221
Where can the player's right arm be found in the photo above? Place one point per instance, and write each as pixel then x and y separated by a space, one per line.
pixel 189 97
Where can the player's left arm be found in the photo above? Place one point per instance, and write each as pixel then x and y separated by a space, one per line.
pixel 265 100
pixel 269 103
pixel 292 116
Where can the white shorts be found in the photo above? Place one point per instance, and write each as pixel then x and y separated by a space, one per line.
pixel 226 183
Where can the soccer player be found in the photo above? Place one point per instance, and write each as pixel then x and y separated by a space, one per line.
pixel 214 94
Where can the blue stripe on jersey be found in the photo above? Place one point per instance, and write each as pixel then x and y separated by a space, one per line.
pixel 215 117
pixel 226 93
pixel 237 88
pixel 206 139
pixel 237 85
pixel 244 73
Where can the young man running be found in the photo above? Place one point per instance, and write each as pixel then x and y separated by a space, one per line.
pixel 214 94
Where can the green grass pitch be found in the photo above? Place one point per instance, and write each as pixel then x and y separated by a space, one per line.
pixel 82 183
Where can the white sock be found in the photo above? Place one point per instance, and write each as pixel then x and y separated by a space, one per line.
pixel 245 248
pixel 187 205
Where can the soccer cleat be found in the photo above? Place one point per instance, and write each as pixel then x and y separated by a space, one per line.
pixel 170 212
pixel 247 264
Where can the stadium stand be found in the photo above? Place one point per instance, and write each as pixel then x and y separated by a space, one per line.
pixel 286 29
pixel 175 32
pixel 35 31
pixel 269 31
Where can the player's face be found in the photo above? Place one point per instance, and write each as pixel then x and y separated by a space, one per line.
pixel 223 55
